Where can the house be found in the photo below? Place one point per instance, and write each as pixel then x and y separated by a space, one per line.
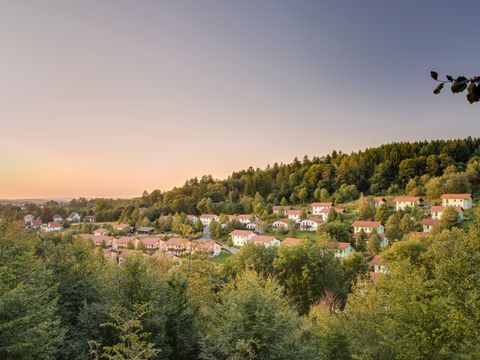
pixel 343 250
pixel 266 241
pixel 57 218
pixel 28 219
pixel 294 215
pixel 144 230
pixel 122 242
pixel 206 219
pixel 89 219
pixel 210 247
pixel 291 241
pixel 100 232
pixel 428 224
pixel 177 246
pixel 241 237
pixel 311 224
pixel 246 218
pixel 152 243
pixel 98 240
pixel 317 207
pixel 379 201
pixel 37 224
pixel 437 211
pixel 280 210
pixel 54 226
pixel 379 265
pixel 406 202
pixel 192 218
pixel 463 200
pixel 367 226
pixel 282 223
pixel 74 217
pixel 122 227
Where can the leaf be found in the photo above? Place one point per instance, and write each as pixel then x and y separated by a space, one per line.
pixel 438 89
pixel 449 78
pixel 473 93
pixel 459 84
pixel 434 75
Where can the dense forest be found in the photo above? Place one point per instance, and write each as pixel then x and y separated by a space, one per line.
pixel 425 168
pixel 61 299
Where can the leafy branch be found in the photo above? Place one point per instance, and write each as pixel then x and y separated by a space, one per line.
pixel 459 85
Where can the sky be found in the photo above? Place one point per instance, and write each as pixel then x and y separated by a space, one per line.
pixel 110 98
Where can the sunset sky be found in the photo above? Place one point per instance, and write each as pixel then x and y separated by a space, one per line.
pixel 109 98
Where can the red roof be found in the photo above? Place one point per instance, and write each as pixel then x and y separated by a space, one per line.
pixel 366 224
pixel 456 196
pixel 278 207
pixel 343 245
pixel 291 241
pixel 294 212
pixel 244 216
pixel 149 241
pixel 37 222
pixel 264 239
pixel 241 232
pixel 429 222
pixel 339 210
pixel 207 245
pixel 325 210
pixel 208 216
pixel 285 220
pixel 315 219
pixel 54 224
pixel 175 242
pixel 321 204
pixel 374 276
pixel 126 239
pixel 377 260
pixel 408 199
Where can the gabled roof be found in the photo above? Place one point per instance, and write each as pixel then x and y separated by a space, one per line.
pixel 244 216
pixel 284 220
pixel 343 245
pixel 54 224
pixel 37 223
pixel 149 241
pixel 291 241
pixel 315 219
pixel 408 199
pixel 208 216
pixel 263 239
pixel 241 233
pixel 294 212
pixel 366 224
pixel 429 222
pixel 175 241
pixel 456 196
pixel 206 245
pixel 439 208
pixel 377 260
pixel 126 239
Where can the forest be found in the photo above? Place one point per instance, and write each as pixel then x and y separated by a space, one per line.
pixel 61 299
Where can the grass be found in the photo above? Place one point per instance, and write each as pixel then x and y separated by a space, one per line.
pixel 220 259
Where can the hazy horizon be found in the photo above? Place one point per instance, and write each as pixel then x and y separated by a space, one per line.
pixel 107 99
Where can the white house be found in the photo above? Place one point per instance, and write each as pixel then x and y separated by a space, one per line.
pixel 317 207
pixel 53 226
pixel 266 241
pixel 206 219
pixel 210 247
pixel 74 217
pixel 463 200
pixel 241 237
pixel 193 219
pixel 437 212
pixel 428 224
pixel 379 201
pixel 57 218
pixel 280 210
pixel 28 219
pixel 367 226
pixel 343 250
pixel 282 223
pixel 246 218
pixel 379 265
pixel 294 215
pixel 311 224
pixel 405 202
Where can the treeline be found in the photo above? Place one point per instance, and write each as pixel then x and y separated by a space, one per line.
pixel 417 168
pixel 61 299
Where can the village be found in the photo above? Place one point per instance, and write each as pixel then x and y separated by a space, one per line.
pixel 119 240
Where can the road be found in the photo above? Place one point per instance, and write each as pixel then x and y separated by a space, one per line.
pixel 206 236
